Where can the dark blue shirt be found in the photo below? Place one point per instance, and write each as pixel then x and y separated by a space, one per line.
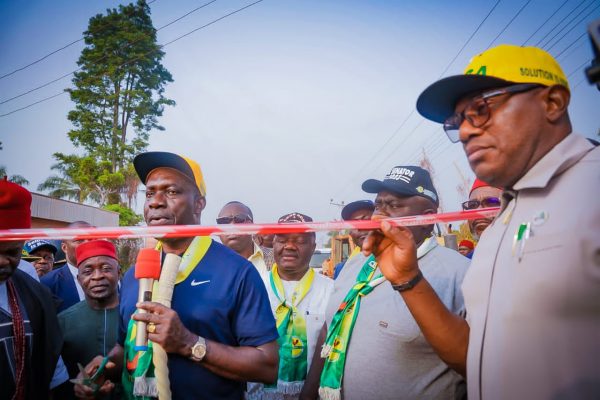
pixel 223 300
pixel 62 285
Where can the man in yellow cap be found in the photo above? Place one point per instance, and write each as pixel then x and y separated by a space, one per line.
pixel 532 293
pixel 219 332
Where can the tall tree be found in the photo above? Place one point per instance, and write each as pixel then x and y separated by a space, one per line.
pixel 119 96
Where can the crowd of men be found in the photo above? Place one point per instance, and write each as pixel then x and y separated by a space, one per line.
pixel 404 318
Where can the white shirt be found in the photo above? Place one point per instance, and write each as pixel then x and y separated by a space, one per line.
pixel 312 306
pixel 258 260
pixel 74 272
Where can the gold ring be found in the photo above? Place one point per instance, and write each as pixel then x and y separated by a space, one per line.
pixel 151 327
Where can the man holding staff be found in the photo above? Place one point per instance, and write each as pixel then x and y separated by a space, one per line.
pixel 219 332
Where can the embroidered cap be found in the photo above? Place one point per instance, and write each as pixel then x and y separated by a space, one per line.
pixel 294 217
pixel 404 181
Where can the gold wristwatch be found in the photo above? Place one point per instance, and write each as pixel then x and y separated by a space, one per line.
pixel 199 350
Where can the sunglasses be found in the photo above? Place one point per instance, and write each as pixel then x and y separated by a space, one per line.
pixel 484 203
pixel 478 112
pixel 235 219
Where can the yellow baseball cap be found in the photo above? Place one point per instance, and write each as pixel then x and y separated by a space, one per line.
pixel 497 67
pixel 145 163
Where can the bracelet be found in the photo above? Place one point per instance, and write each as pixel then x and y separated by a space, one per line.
pixel 410 284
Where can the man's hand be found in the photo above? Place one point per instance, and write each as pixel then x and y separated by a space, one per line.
pixel 395 251
pixel 170 333
pixel 105 386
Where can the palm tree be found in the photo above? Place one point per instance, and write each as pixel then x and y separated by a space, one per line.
pixel 18 179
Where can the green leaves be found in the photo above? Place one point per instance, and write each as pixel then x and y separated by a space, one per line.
pixel 118 96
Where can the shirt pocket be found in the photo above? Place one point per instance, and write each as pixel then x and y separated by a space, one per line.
pixel 393 319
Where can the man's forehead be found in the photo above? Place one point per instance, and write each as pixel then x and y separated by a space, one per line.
pixel 392 196
pixel 233 208
pixel 361 211
pixel 97 260
pixel 294 235
pixel 484 191
pixel 177 175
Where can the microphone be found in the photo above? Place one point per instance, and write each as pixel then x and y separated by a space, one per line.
pixel 147 270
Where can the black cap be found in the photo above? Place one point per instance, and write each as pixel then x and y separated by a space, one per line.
pixel 350 208
pixel 294 217
pixel 405 181
pixel 145 163
pixel 438 100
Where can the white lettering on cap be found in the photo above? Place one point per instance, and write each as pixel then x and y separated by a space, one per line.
pixel 401 173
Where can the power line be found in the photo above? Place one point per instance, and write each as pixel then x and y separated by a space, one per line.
pixel 377 152
pixel 47 55
pixel 103 57
pixel 509 23
pixel 573 27
pixel 40 59
pixel 545 22
pixel 469 39
pixel 32 104
pixel 546 43
pixel 578 68
pixel 537 44
pixel 572 43
pixel 143 55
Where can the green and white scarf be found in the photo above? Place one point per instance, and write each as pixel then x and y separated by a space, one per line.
pixel 340 330
pixel 139 376
pixel 291 326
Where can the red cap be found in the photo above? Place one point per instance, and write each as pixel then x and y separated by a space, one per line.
pixel 466 243
pixel 479 183
pixel 147 264
pixel 95 248
pixel 15 206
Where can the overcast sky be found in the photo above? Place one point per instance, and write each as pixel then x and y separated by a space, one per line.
pixel 289 104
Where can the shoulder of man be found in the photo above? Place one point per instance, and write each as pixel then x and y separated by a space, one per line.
pixel 323 280
pixel 52 277
pixel 348 274
pixel 442 264
pixel 22 279
pixel 73 311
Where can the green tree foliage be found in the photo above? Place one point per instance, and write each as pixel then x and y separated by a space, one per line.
pixel 119 96
pixel 126 215
pixel 120 85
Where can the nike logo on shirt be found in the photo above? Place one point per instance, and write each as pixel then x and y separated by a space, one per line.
pixel 194 283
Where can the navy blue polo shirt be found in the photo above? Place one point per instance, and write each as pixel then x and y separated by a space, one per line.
pixel 223 300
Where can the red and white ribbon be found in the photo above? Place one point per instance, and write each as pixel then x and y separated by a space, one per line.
pixel 171 231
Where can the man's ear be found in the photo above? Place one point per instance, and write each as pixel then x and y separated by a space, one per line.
pixel 556 102
pixel 199 205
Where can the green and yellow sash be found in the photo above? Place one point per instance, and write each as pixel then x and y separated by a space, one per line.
pixel 139 375
pixel 340 330
pixel 291 326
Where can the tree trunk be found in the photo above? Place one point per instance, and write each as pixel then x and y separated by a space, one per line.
pixel 115 127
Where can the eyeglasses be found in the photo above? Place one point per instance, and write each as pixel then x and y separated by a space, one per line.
pixel 478 112
pixel 236 219
pixel 484 203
